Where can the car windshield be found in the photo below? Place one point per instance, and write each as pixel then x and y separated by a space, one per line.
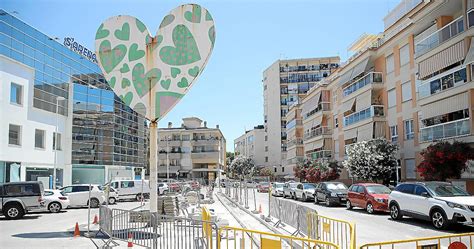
pixel 308 186
pixel 336 186
pixel 278 185
pixel 378 189
pixel 445 190
pixel 264 184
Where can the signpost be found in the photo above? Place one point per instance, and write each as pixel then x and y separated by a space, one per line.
pixel 151 74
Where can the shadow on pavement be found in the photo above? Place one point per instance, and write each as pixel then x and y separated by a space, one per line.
pixel 26 217
pixel 43 235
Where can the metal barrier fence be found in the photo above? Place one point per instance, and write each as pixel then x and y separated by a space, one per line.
pixel 292 214
pixel 339 232
pixel 237 238
pixel 448 241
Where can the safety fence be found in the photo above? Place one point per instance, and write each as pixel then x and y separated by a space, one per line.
pixel 237 238
pixel 455 241
pixel 291 213
pixel 339 232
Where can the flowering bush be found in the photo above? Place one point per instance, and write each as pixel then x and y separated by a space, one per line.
pixel 265 172
pixel 371 160
pixel 444 160
pixel 316 171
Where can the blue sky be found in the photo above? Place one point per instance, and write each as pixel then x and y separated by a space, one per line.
pixel 250 36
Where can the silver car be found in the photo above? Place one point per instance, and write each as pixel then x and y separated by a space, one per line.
pixel 305 191
pixel 289 189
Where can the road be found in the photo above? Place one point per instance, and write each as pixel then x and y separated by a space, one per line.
pixel 370 228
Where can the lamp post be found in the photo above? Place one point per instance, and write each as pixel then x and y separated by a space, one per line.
pixel 167 160
pixel 55 142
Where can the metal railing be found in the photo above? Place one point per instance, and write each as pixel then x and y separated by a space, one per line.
pixel 370 78
pixel 339 232
pixel 446 130
pixel 399 11
pixel 464 240
pixel 295 160
pixel 450 79
pixel 324 130
pixel 293 123
pixel 320 154
pixel 372 111
pixel 440 36
pixel 323 106
pixel 297 141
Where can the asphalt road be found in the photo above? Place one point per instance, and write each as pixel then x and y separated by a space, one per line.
pixel 370 228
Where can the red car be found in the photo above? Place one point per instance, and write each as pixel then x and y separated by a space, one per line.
pixel 263 187
pixel 369 196
pixel 174 187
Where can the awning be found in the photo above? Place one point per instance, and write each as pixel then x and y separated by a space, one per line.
pixel 441 60
pixel 345 77
pixel 365 132
pixel 346 106
pixel 314 145
pixel 379 130
pixel 360 68
pixel 364 100
pixel 352 133
pixel 470 54
pixel 310 104
pixel 448 105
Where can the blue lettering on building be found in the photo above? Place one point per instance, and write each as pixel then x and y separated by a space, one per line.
pixel 78 48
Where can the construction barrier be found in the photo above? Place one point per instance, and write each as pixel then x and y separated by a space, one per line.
pixel 454 241
pixel 339 232
pixel 239 238
pixel 207 225
pixel 292 214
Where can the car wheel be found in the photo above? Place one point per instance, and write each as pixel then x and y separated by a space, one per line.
pixel 369 208
pixel 94 203
pixel 54 207
pixel 138 197
pixel 395 213
pixel 327 202
pixel 13 211
pixel 438 219
pixel 112 200
pixel 348 205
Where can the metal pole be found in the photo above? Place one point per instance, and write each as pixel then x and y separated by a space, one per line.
pixel 167 161
pixel 246 195
pixel 89 212
pixel 153 167
pixel 55 144
pixel 269 196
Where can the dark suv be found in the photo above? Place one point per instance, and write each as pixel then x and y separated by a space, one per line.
pixel 18 198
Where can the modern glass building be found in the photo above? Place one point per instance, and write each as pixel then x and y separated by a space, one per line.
pixel 107 138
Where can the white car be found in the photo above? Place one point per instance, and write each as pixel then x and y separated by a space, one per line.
pixel 79 195
pixel 113 194
pixel 55 200
pixel 163 188
pixel 305 191
pixel 439 202
pixel 277 189
pixel 132 189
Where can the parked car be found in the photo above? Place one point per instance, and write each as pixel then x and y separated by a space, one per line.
pixel 330 193
pixel 79 195
pixel 439 202
pixel 113 194
pixel 277 189
pixel 263 187
pixel 370 196
pixel 162 188
pixel 173 187
pixel 132 189
pixel 19 198
pixel 195 185
pixel 55 200
pixel 289 189
pixel 251 184
pixel 304 191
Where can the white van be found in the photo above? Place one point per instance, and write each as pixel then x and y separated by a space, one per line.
pixel 132 189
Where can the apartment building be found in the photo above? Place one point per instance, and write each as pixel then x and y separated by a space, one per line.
pixel 191 151
pixel 251 145
pixel 411 84
pixel 286 82
pixel 294 146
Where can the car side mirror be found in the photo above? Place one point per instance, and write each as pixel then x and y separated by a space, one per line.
pixel 425 194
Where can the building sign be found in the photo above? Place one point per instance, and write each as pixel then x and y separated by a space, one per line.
pixel 78 48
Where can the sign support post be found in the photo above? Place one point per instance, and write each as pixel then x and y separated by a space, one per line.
pixel 153 167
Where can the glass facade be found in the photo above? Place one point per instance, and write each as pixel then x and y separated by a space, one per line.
pixel 105 131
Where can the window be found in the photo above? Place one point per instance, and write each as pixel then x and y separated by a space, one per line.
pixel 56 141
pixel 410 168
pixel 266 138
pixel 264 87
pixel 409 132
pixel 127 184
pixel 404 55
pixel 21 189
pixel 336 122
pixel 406 188
pixel 266 148
pixel 394 134
pixel 392 98
pixel 406 91
pixel 282 169
pixel 16 94
pixel 420 190
pixel 275 169
pixel 80 188
pixel 390 64
pixel 39 139
pixel 14 135
pixel 361 189
pixel 266 159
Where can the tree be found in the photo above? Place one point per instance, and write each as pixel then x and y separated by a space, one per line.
pixel 242 167
pixel 300 171
pixel 316 171
pixel 371 160
pixel 444 160
pixel 266 172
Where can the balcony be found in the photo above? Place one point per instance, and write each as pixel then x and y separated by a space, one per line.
pixel 442 82
pixel 293 123
pixel 322 154
pixel 370 112
pixel 294 142
pixel 323 106
pixel 399 11
pixel 370 78
pixel 294 160
pixel 446 130
pixel 324 130
pixel 447 32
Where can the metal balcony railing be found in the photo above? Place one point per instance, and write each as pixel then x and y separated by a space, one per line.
pixel 399 11
pixel 445 130
pixel 372 111
pixel 442 82
pixel 293 142
pixel 324 130
pixel 323 106
pixel 370 78
pixel 440 36
pixel 295 160
pixel 293 123
pixel 320 154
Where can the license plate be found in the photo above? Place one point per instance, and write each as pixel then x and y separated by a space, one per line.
pixel 343 199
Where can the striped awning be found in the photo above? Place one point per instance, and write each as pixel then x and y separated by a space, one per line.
pixel 310 104
pixel 364 100
pixel 470 54
pixel 346 106
pixel 360 68
pixel 349 134
pixel 441 60
pixel 445 106
pixel 345 77
pixel 365 132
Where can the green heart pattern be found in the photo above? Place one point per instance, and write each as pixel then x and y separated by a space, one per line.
pixel 139 66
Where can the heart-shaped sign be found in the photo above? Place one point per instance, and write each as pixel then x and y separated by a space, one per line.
pixel 154 73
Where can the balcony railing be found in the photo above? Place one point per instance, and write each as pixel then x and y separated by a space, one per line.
pixel 442 82
pixel 293 142
pixel 445 130
pixel 440 36
pixel 320 154
pixel 372 111
pixel 295 160
pixel 323 106
pixel 293 123
pixel 324 130
pixel 399 11
pixel 370 78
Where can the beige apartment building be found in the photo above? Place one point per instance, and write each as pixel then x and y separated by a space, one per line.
pixel 411 84
pixel 251 145
pixel 286 82
pixel 192 151
pixel 294 146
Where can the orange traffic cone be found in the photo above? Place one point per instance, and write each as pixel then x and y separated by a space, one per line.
pixel 130 237
pixel 96 220
pixel 77 233
pixel 260 209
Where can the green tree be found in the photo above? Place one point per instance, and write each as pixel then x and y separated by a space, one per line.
pixel 242 167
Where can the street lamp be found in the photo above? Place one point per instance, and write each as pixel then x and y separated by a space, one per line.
pixel 55 142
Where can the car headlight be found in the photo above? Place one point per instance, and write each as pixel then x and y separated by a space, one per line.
pixel 334 194
pixel 455 205
pixel 379 200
